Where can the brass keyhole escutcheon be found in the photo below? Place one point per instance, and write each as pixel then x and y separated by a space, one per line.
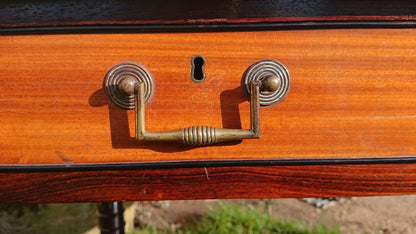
pixel 198 68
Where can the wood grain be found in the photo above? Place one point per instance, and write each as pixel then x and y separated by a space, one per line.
pixel 352 95
pixel 37 13
pixel 209 183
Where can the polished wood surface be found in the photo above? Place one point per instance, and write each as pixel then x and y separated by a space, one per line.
pixel 96 13
pixel 352 95
pixel 209 183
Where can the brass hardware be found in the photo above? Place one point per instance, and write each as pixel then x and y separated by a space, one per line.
pixel 271 83
pixel 199 135
pixel 126 85
pixel 267 82
pixel 119 84
pixel 274 90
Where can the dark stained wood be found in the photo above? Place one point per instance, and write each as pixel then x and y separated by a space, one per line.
pixel 110 215
pixel 209 183
pixel 93 12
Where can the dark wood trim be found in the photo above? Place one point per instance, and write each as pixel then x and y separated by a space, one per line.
pixel 209 183
pixel 76 167
pixel 150 28
pixel 42 15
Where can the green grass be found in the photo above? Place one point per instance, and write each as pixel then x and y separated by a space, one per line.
pixel 229 218
pixel 57 218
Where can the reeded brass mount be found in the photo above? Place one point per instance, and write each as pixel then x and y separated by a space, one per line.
pixel 198 135
pixel 136 87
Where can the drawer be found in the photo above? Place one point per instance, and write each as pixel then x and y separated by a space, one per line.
pixel 344 128
pixel 351 96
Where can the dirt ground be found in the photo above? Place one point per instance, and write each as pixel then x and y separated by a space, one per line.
pixel 393 214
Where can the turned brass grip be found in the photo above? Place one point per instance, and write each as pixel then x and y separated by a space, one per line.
pixel 198 135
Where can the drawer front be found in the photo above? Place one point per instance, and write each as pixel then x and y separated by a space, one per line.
pixel 352 95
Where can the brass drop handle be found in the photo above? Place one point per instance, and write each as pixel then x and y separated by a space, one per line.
pixel 267 82
pixel 198 135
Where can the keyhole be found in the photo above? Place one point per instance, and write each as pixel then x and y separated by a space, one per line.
pixel 197 72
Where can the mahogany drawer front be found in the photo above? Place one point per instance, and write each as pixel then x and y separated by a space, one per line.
pixel 352 95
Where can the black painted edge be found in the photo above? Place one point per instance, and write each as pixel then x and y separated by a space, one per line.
pixel 202 163
pixel 135 28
